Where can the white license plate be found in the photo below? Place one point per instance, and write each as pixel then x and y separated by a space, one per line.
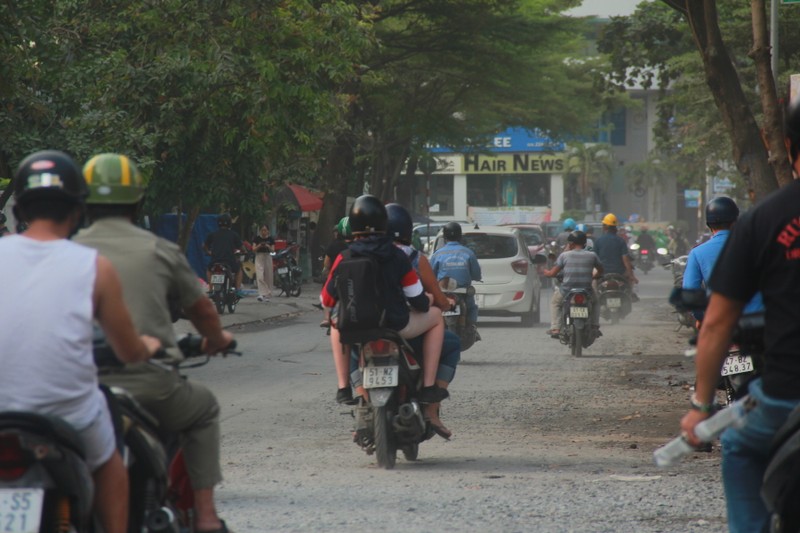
pixel 737 364
pixel 217 279
pixel 614 302
pixel 283 270
pixel 578 312
pixel 381 376
pixel 479 300
pixel 454 312
pixel 20 510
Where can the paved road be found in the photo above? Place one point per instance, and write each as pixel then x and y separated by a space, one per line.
pixel 543 441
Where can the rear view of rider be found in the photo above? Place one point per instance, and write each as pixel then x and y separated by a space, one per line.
pixel 579 267
pixel 456 261
pixel 368 220
pixel 613 253
pixel 154 271
pixel 567 227
pixel 46 344
pixel 646 242
pixel 222 246
pixel 721 214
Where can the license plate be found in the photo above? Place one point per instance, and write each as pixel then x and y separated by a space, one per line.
pixel 380 376
pixel 737 364
pixel 454 312
pixel 614 302
pixel 578 312
pixel 20 510
pixel 479 300
pixel 217 279
pixel 283 270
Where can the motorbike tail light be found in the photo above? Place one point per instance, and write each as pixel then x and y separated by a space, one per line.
pixel 579 299
pixel 217 269
pixel 520 266
pixel 380 348
pixel 611 285
pixel 13 459
pixel 644 252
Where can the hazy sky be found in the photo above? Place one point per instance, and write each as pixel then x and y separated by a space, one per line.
pixel 604 8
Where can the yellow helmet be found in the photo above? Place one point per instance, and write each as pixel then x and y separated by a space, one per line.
pixel 610 220
pixel 113 179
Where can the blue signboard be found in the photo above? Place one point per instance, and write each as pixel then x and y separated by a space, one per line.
pixel 513 140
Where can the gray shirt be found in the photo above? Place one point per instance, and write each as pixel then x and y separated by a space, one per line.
pixel 577 266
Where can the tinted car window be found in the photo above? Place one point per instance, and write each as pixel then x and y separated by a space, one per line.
pixel 491 246
pixel 531 236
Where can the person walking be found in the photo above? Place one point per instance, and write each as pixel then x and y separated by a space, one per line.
pixel 264 245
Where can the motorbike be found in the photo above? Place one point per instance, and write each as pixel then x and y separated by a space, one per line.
pixel 577 332
pixel 390 417
pixel 288 274
pixel 457 319
pixel 223 288
pixel 643 258
pixel 613 297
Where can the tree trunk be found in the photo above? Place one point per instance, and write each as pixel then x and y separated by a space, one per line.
pixel 749 153
pixel 773 115
pixel 185 229
pixel 338 166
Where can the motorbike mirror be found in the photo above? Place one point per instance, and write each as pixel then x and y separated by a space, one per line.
pixel 538 259
pixel 688 299
pixel 662 251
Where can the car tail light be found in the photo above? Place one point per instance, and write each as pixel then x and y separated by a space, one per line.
pixel 380 348
pixel 579 299
pixel 13 460
pixel 520 266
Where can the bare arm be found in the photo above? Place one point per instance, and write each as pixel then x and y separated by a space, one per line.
pixel 552 272
pixel 205 319
pixel 431 286
pixel 113 316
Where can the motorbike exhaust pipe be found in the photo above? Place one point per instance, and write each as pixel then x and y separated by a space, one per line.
pixel 409 418
pixel 162 520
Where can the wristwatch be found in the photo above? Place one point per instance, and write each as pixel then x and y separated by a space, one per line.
pixel 699 406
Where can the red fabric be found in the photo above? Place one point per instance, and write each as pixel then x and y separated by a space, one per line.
pixel 180 488
pixel 307 200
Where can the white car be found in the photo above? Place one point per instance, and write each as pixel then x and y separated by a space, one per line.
pixel 510 283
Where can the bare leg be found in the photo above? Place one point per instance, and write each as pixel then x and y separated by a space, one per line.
pixel 206 519
pixel 340 360
pixel 432 350
pixel 111 494
pixel 239 279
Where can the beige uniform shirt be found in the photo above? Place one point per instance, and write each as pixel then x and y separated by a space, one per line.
pixel 150 268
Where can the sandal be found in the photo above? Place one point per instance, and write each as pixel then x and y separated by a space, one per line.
pixel 554 333
pixel 222 529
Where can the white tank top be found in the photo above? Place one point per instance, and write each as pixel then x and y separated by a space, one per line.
pixel 46 313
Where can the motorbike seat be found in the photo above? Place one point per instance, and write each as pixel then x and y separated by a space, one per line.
pixel 47 426
pixel 373 334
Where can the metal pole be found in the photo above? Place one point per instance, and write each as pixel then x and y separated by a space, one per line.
pixel 428 214
pixel 773 38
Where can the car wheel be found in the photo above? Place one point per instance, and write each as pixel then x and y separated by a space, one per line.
pixel 531 318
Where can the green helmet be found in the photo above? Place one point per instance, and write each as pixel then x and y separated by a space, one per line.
pixel 343 227
pixel 113 179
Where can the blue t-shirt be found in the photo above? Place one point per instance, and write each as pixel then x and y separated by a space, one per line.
pixel 610 248
pixel 456 261
pixel 701 263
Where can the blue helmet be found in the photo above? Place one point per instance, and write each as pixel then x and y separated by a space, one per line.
pixel 568 225
pixel 580 227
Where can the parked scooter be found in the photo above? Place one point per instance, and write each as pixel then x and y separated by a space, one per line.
pixel 288 274
pixel 577 332
pixel 613 297
pixel 223 288
pixel 390 417
pixel 457 319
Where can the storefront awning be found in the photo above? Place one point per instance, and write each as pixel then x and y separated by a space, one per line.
pixel 305 199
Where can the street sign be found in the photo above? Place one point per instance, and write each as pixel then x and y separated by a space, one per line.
pixel 790 1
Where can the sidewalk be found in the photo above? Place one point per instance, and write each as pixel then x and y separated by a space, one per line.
pixel 249 310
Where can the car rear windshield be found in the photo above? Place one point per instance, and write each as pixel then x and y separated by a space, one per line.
pixel 491 246
pixel 532 237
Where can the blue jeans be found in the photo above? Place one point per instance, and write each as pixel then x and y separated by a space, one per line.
pixel 451 355
pixel 745 455
pixel 472 310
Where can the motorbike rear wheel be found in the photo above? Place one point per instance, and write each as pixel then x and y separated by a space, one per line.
pixel 296 288
pixel 576 341
pixel 220 305
pixel 385 445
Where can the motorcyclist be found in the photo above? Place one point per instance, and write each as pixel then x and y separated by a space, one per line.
pixel 368 220
pixel 456 261
pixel 721 215
pixel 613 253
pixel 567 227
pixel 589 231
pixel 762 254
pixel 646 241
pixel 153 271
pixel 50 370
pixel 222 246
pixel 580 268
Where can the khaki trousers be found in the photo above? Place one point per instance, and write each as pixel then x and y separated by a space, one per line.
pixel 264 275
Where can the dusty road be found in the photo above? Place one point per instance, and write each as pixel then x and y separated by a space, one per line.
pixel 542 441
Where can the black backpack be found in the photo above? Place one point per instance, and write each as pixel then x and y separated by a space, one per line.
pixel 360 289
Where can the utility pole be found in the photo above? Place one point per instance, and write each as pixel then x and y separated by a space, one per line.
pixel 773 38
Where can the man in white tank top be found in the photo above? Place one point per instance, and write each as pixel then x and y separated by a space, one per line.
pixel 46 340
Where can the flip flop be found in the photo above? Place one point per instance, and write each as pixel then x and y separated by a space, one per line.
pixel 221 529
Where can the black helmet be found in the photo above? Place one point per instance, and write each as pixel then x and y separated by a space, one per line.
pixel 3 218
pixel 367 216
pixel 577 237
pixel 721 210
pixel 49 174
pixel 452 231
pixel 224 220
pixel 399 224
